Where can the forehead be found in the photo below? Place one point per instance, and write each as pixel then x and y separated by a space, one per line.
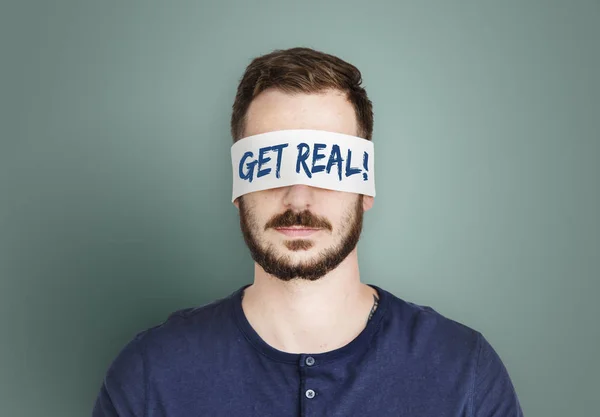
pixel 276 110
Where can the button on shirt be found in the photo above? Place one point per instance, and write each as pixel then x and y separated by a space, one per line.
pixel 408 361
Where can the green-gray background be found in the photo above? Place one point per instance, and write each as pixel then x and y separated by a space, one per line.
pixel 115 176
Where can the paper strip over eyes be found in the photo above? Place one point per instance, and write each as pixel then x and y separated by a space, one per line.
pixel 317 158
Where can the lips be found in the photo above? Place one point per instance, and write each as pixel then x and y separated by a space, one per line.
pixel 297 231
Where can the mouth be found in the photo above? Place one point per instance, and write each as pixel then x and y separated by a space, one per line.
pixel 297 231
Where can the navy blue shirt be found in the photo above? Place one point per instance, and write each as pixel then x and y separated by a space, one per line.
pixel 208 361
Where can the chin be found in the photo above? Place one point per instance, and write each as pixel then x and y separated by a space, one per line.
pixel 299 254
pixel 300 257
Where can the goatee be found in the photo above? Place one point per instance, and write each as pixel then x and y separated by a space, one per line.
pixel 281 266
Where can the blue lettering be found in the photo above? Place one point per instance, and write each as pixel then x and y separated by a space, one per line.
pixel 335 158
pixel 303 152
pixel 279 149
pixel 249 166
pixel 317 156
pixel 263 160
pixel 349 170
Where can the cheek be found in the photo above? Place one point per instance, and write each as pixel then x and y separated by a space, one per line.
pixel 261 217
pixel 338 221
pixel 347 216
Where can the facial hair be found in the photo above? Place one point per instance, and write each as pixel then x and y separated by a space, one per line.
pixel 281 266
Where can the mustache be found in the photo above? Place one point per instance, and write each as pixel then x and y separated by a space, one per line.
pixel 304 218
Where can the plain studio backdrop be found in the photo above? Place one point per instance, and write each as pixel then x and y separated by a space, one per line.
pixel 115 176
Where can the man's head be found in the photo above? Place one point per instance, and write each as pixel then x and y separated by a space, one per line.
pixel 301 231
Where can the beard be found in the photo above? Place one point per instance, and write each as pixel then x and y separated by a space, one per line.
pixel 281 266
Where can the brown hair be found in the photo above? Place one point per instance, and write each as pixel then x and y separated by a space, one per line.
pixel 301 70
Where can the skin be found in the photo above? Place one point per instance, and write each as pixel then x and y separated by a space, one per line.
pixel 300 314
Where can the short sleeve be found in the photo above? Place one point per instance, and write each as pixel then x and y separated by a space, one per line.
pixel 493 392
pixel 122 393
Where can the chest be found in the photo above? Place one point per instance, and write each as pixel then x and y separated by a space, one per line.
pixel 344 389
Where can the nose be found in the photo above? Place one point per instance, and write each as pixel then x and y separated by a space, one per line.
pixel 298 197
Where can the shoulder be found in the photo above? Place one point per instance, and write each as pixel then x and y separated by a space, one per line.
pixel 426 334
pixel 443 344
pixel 183 332
pixel 182 337
pixel 191 325
pixel 426 320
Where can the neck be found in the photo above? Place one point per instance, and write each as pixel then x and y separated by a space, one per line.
pixel 309 316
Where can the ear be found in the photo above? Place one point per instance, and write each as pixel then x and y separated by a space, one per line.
pixel 368 202
pixel 236 203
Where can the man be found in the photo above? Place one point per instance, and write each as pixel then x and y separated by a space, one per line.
pixel 307 338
